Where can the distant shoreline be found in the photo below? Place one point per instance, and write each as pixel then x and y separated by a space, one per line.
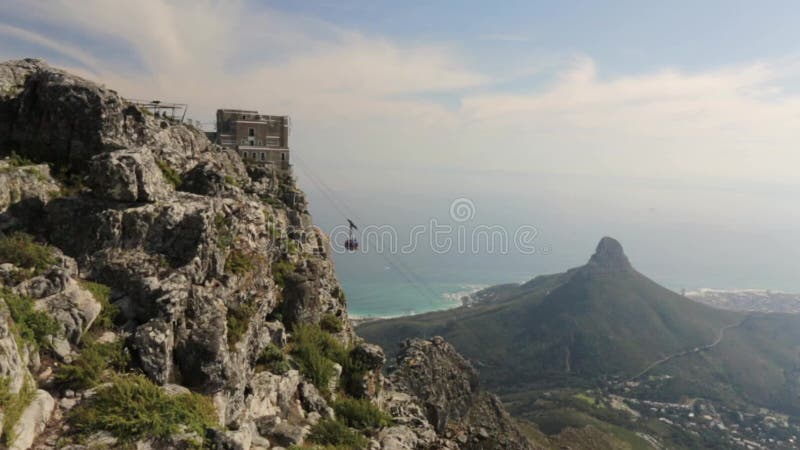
pixel 452 300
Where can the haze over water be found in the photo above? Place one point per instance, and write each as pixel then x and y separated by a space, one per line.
pixel 674 243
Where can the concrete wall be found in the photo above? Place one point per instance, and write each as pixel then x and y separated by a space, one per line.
pixel 263 156
pixel 271 131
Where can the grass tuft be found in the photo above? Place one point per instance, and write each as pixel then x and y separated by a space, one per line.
pixel 315 352
pixel 224 226
pixel 331 323
pixel 33 326
pixel 13 407
pixel 238 319
pixel 239 263
pixel 92 365
pixel 108 312
pixel 134 407
pixel 16 160
pixel 360 414
pixel 332 432
pixel 21 250
pixel 281 270
pixel 171 175
pixel 273 360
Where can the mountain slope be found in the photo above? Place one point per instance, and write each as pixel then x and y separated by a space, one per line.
pixel 602 345
pixel 604 318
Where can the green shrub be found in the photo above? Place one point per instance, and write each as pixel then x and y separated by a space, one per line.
pixel 239 263
pixel 33 326
pixel 281 270
pixel 233 181
pixel 16 160
pixel 272 201
pixel 360 414
pixel 5 394
pixel 332 432
pixel 315 352
pixel 14 406
pixel 108 312
pixel 238 319
pixel 21 250
pixel 71 181
pixel 353 373
pixel 92 365
pixel 331 323
pixel 273 360
pixel 133 407
pixel 223 225
pixel 171 175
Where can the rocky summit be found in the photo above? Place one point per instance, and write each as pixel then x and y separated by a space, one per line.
pixel 160 293
pixel 609 257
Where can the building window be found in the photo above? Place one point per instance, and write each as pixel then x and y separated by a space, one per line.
pixel 262 156
pixel 251 132
pixel 244 155
pixel 283 156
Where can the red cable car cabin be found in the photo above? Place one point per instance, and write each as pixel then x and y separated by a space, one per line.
pixel 351 244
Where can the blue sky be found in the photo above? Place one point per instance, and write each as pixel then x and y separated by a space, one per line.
pixel 625 35
pixel 587 118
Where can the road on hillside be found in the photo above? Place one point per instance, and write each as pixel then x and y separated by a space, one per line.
pixel 666 359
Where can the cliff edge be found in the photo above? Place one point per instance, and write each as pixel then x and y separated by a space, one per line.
pixel 159 293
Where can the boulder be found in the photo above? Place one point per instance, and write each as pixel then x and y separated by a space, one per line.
pixel 442 379
pixel 312 400
pixel 274 396
pixel 24 191
pixel 369 356
pixel 74 308
pixel 32 421
pixel 153 343
pixel 127 175
pixel 286 434
pixel 13 361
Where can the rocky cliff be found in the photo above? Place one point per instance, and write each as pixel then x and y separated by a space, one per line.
pixel 158 293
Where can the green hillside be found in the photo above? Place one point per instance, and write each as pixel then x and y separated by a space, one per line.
pixel 607 321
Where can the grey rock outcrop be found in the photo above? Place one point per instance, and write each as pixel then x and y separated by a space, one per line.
pixel 208 261
pixel 435 373
pixel 32 421
pixel 445 386
pixel 609 257
pixel 128 175
pixel 24 189
pixel 13 354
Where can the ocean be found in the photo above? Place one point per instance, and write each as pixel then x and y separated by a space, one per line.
pixel 680 247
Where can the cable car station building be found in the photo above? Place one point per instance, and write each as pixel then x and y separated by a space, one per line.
pixel 258 138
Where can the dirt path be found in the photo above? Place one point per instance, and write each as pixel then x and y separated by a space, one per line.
pixel 720 337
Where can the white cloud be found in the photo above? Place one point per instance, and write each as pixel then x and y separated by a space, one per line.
pixel 503 37
pixel 366 97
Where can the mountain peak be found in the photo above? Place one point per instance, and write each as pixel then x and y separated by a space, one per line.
pixel 610 256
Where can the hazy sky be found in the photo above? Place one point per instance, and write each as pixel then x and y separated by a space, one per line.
pixel 591 118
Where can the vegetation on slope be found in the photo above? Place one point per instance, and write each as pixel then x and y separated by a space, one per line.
pixel 31 325
pixel 95 363
pixel 335 433
pixel 21 250
pixel 360 414
pixel 13 406
pixel 133 407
